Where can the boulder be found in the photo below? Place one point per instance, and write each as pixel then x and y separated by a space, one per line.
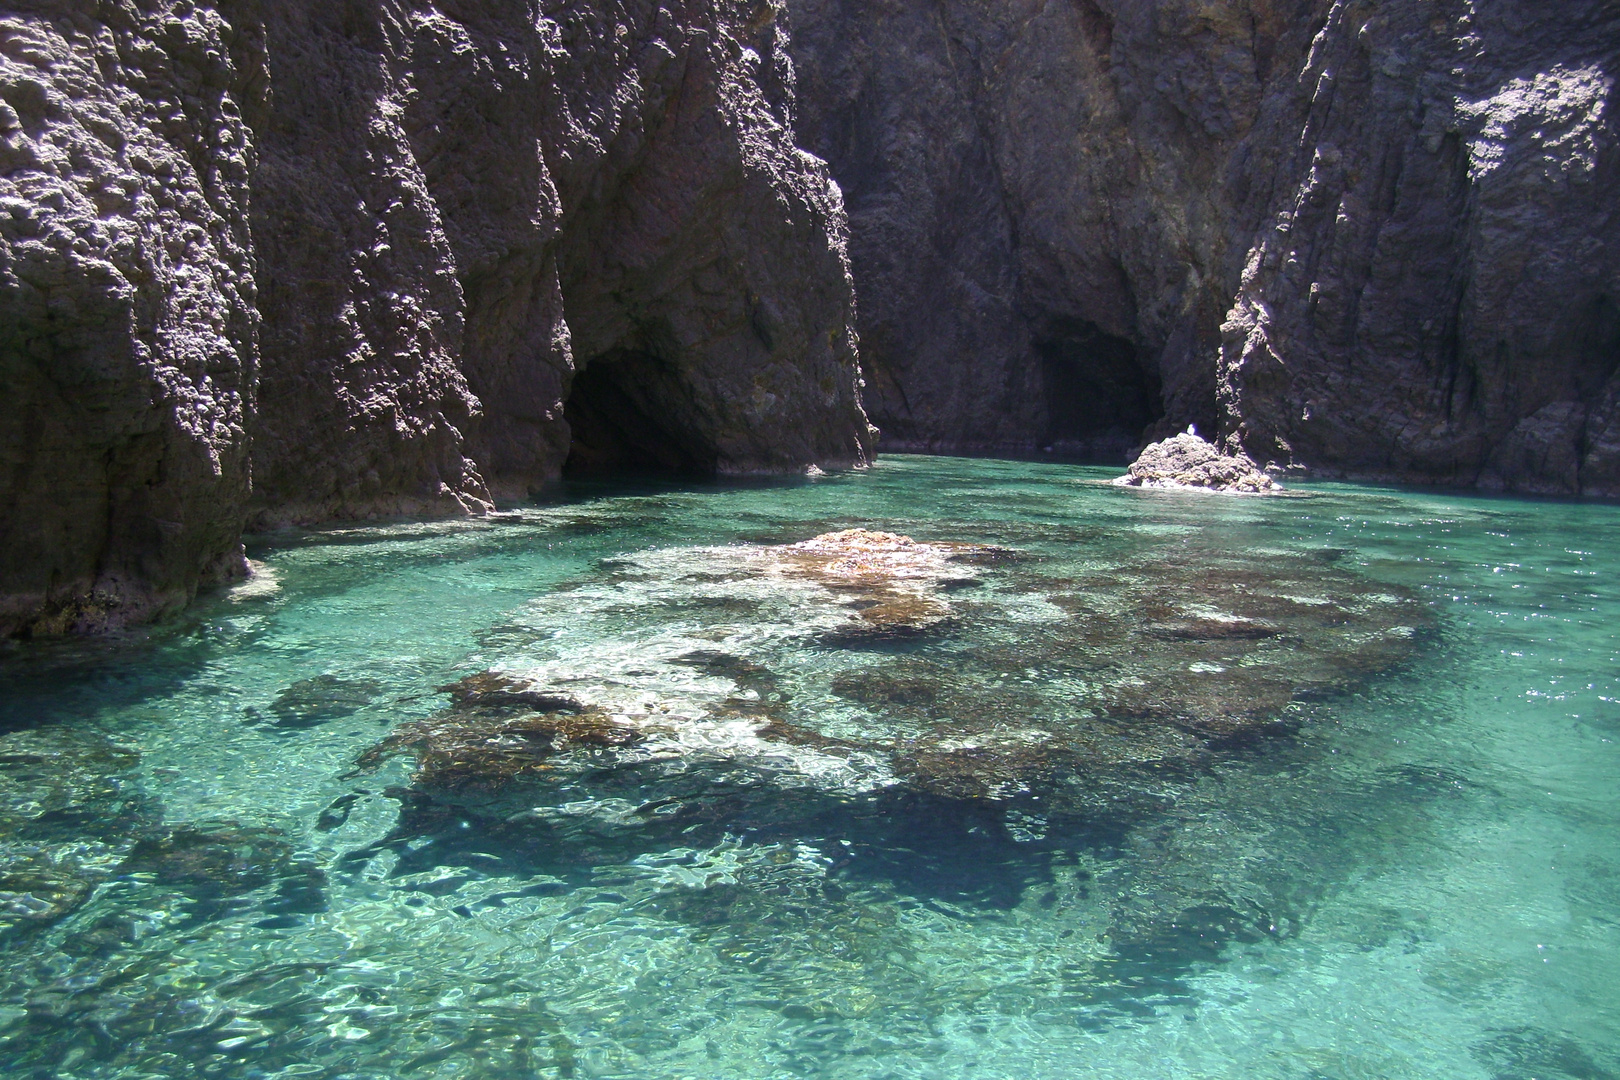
pixel 1187 461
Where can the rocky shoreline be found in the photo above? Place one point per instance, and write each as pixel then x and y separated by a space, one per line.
pixel 274 264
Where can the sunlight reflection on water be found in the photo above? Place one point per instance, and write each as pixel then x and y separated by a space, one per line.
pixel 1315 786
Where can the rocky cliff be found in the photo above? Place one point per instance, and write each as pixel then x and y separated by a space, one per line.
pixel 1376 239
pixel 310 259
pixel 459 204
pixel 265 263
pixel 127 309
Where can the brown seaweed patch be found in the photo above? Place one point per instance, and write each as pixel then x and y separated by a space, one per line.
pixel 494 690
pixel 884 686
pixel 458 753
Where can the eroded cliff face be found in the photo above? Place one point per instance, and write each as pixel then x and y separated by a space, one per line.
pixel 127 317
pixel 274 263
pixel 315 259
pixel 460 204
pixel 1376 239
pixel 1432 292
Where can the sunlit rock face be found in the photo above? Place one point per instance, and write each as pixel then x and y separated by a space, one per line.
pixel 497 241
pixel 128 348
pixel 1187 462
pixel 1374 239
pixel 299 261
pixel 751 687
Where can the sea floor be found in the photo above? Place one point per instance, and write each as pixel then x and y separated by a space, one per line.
pixel 1088 782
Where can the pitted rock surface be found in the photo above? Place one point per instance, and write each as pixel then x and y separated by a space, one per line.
pixel 389 263
pixel 127 317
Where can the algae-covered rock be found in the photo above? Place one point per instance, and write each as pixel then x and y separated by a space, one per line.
pixel 895 584
pixel 458 752
pixel 489 690
pixel 631 694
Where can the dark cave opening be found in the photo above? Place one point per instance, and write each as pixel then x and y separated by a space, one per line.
pixel 1099 396
pixel 1596 334
pixel 626 413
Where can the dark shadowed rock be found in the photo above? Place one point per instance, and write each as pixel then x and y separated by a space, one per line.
pixel 1351 238
pixel 1186 461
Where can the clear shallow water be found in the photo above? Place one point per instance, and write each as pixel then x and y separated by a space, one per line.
pixel 1319 786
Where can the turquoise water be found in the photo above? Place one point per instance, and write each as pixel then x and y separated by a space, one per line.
pixel 1143 784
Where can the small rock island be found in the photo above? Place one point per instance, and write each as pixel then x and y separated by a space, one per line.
pixel 1187 461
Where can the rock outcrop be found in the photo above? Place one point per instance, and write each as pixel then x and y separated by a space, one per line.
pixel 1355 238
pixel 1187 462
pixel 300 261
pixel 278 263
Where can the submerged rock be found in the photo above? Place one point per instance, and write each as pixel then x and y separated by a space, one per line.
pixel 1045 752
pixel 217 861
pixel 894 582
pixel 36 890
pixel 67 813
pixel 311 702
pixel 456 753
pixel 490 690
pixel 1187 461
pixel 55 776
pixel 630 694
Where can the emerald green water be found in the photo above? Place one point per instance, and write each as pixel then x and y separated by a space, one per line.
pixel 983 849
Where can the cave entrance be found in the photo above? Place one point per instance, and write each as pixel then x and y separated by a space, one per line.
pixel 1100 397
pixel 628 414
